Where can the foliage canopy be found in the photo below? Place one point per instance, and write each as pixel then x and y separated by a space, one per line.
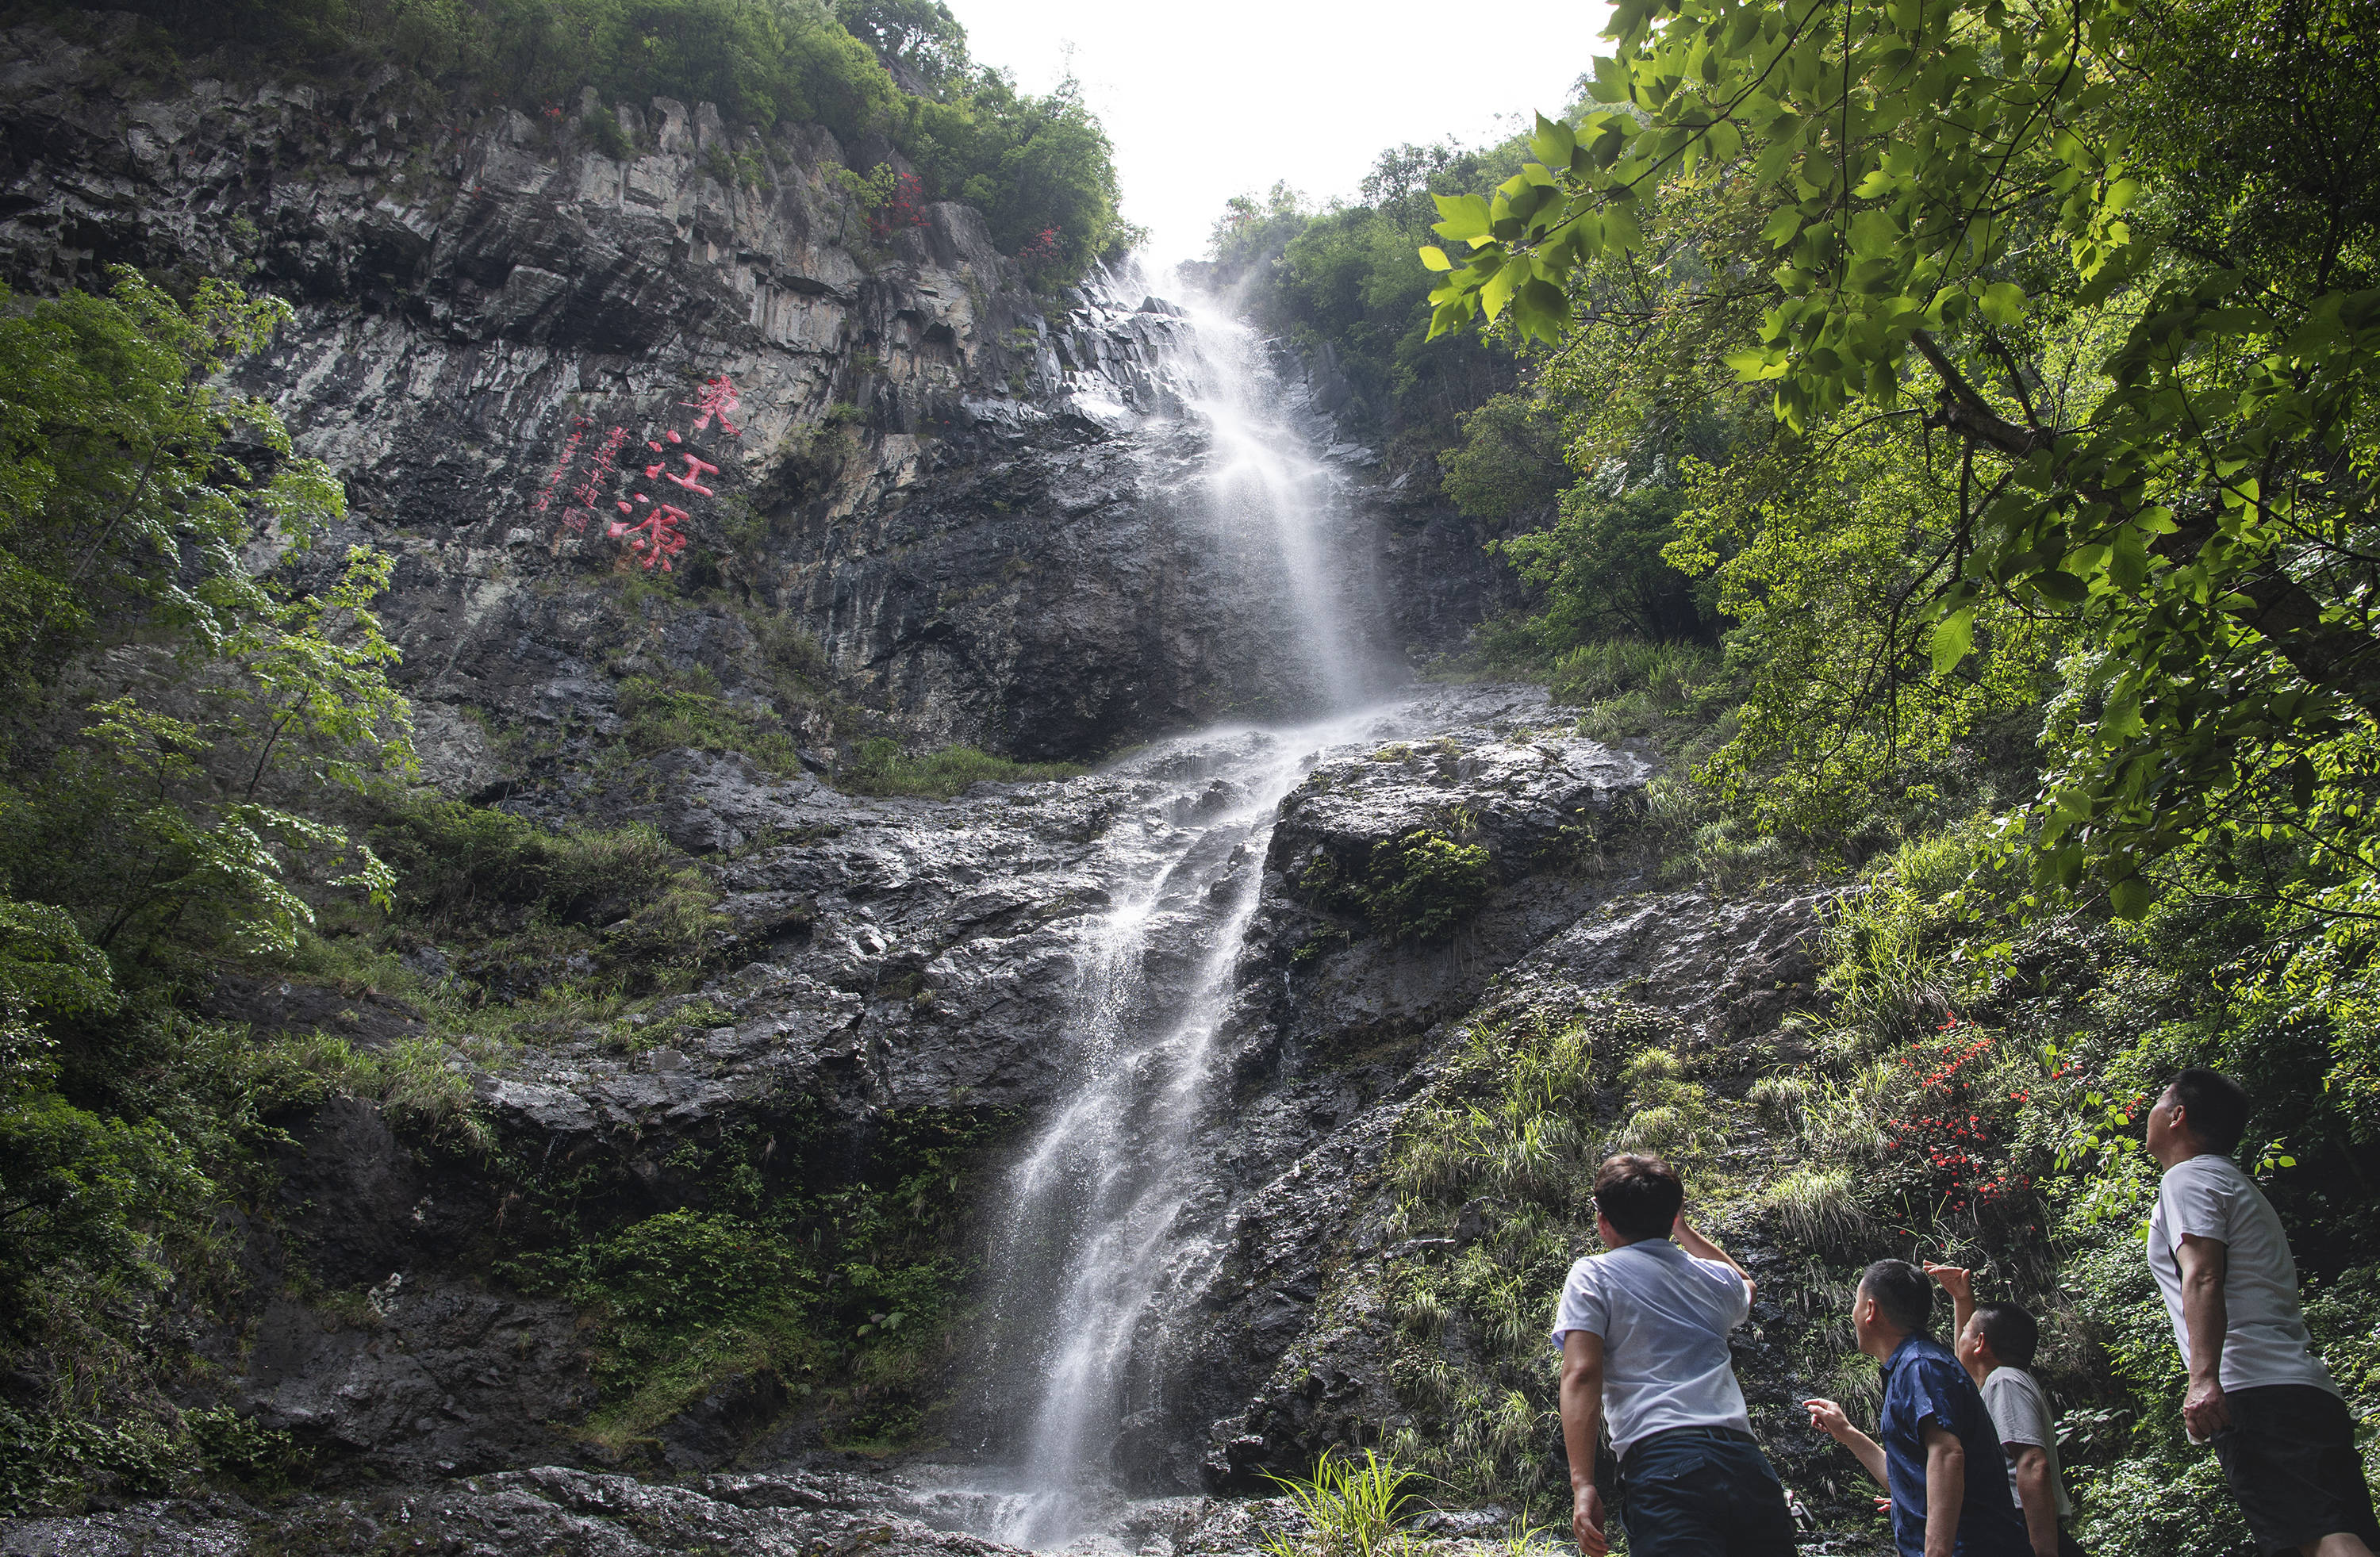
pixel 2155 388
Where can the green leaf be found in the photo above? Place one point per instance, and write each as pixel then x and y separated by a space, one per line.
pixel 1541 310
pixel 2061 587
pixel 1755 363
pixel 2128 560
pixel 1620 229
pixel 1462 217
pixel 2003 303
pixel 1498 290
pixel 1552 144
pixel 2132 896
pixel 2121 720
pixel 1435 258
pixel 1783 228
pixel 1954 639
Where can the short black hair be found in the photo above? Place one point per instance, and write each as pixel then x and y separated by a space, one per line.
pixel 1639 1194
pixel 2214 1107
pixel 1902 1292
pixel 2013 1335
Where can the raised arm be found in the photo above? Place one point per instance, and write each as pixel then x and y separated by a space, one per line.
pixel 1960 1283
pixel 1701 1248
pixel 2204 1263
pixel 1581 1420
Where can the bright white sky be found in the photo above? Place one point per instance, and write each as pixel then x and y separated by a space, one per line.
pixel 1209 99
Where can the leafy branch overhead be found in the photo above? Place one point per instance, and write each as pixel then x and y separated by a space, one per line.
pixel 1941 185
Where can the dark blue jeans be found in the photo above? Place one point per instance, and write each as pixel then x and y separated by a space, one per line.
pixel 1699 1493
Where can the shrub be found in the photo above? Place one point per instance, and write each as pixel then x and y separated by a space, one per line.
pixel 1420 886
pixel 881 768
pixel 1352 1507
pixel 531 896
pixel 689 711
pixel 1423 884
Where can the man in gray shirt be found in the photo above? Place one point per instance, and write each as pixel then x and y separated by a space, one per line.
pixel 2257 1392
pixel 1643 1332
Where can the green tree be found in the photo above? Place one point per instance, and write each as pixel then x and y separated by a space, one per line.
pixel 1948 187
pixel 919 42
pixel 162 807
pixel 1032 164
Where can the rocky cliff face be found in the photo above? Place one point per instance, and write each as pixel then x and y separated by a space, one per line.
pixel 907 955
pixel 981 502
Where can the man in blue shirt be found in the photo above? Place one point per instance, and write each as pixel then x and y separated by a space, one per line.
pixel 1940 1456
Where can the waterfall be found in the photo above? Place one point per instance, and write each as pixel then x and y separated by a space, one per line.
pixel 1263 482
pixel 1108 1216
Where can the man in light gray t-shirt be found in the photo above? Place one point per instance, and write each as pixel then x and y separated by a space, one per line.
pixel 2257 1392
pixel 2021 1412
pixel 1643 1332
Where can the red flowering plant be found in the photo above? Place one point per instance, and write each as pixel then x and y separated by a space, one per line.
pixel 900 209
pixel 1041 253
pixel 1947 1147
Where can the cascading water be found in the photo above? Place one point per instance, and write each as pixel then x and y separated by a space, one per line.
pixel 1263 482
pixel 1108 1216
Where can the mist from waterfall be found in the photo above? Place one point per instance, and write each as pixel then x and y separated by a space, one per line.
pixel 1264 484
pixel 1109 1221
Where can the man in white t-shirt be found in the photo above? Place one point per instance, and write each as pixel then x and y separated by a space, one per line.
pixel 1995 1343
pixel 2256 1390
pixel 1643 1332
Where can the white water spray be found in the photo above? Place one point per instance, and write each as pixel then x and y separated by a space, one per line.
pixel 1264 484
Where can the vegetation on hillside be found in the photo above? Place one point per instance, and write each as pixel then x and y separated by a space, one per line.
pixel 890 74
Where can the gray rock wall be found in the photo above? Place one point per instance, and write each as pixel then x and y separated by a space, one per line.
pixel 978 499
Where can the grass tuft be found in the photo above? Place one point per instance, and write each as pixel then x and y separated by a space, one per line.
pixel 881 768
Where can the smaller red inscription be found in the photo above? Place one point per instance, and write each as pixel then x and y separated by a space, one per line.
pixel 716 398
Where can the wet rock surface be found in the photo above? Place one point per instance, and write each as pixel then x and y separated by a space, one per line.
pixel 566 1513
pixel 1311 1247
pixel 913 952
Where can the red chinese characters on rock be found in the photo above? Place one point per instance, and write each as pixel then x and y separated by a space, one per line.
pixel 661 533
pixel 694 466
pixel 716 398
pixel 561 467
pixel 588 493
pixel 659 538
